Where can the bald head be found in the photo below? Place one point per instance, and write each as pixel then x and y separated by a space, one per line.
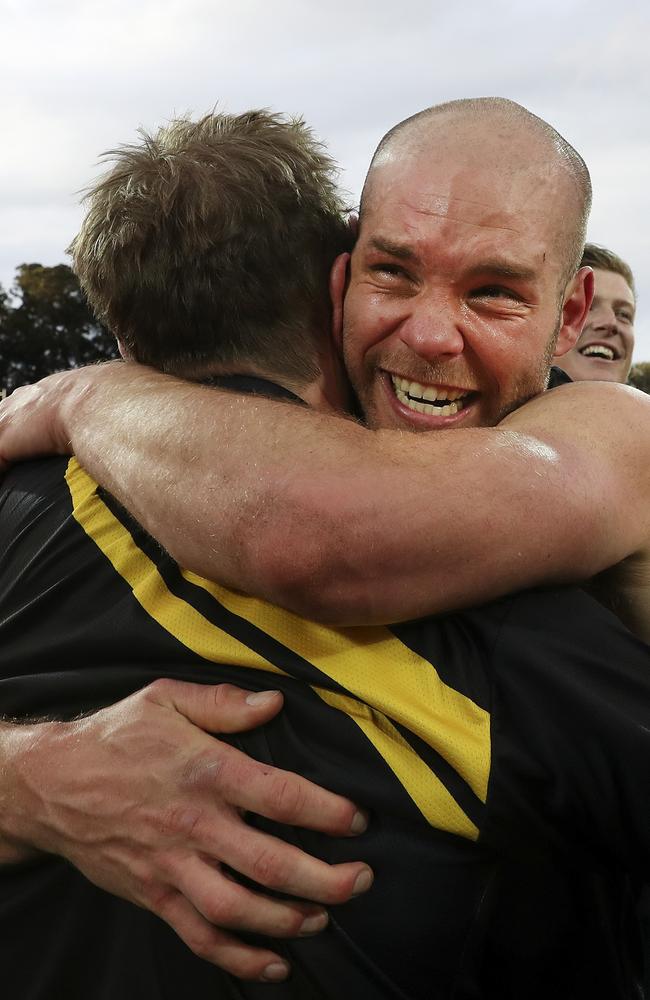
pixel 478 148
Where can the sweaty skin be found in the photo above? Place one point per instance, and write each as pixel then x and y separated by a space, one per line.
pixel 458 286
pixel 460 293
pixel 371 526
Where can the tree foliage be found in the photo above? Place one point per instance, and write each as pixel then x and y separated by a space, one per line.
pixel 640 376
pixel 46 325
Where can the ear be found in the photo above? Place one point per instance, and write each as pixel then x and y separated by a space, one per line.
pixel 124 352
pixel 338 286
pixel 577 302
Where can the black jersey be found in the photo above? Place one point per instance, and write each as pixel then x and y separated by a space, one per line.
pixel 504 754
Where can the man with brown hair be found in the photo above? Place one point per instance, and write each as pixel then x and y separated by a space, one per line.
pixel 505 284
pixel 204 187
pixel 605 346
pixel 187 272
pixel 440 331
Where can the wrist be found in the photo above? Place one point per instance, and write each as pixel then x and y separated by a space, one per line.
pixel 25 761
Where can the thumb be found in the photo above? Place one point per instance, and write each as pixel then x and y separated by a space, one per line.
pixel 218 708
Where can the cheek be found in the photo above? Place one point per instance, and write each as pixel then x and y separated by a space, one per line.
pixel 503 352
pixel 369 323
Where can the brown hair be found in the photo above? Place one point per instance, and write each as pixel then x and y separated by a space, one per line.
pixel 211 241
pixel 606 260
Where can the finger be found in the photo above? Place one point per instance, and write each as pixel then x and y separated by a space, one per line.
pixel 225 903
pixel 217 708
pixel 279 795
pixel 241 781
pixel 270 862
pixel 219 947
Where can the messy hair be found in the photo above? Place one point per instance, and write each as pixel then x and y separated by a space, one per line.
pixel 211 242
pixel 607 260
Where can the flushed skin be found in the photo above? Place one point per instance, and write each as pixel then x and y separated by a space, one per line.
pixel 358 527
pixel 374 527
pixel 458 283
pixel 469 298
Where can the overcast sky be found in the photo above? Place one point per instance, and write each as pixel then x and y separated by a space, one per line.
pixel 77 78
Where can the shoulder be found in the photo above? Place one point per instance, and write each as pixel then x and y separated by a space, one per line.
pixel 610 403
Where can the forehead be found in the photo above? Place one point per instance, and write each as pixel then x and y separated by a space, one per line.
pixel 433 199
pixel 613 286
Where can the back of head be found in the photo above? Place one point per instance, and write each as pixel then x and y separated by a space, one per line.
pixel 603 259
pixel 210 243
pixel 498 136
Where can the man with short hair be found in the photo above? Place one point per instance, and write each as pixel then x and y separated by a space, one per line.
pixel 605 346
pixel 497 289
pixel 67 593
pixel 461 286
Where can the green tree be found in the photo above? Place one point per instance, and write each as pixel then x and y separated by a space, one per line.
pixel 640 376
pixel 46 325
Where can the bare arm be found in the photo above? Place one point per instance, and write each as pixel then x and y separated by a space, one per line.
pixel 156 833
pixel 342 524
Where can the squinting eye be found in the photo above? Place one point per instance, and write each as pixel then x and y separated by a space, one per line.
pixel 625 317
pixel 393 270
pixel 495 292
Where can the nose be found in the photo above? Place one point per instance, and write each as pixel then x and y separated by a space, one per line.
pixel 604 320
pixel 432 331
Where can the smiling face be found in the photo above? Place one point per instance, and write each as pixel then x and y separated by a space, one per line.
pixel 604 350
pixel 457 291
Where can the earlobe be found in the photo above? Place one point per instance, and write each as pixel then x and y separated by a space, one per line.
pixel 577 302
pixel 338 285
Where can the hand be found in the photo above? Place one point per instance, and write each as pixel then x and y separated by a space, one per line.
pixel 32 419
pixel 148 806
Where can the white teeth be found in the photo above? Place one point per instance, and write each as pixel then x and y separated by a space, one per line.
pixel 598 351
pixel 421 398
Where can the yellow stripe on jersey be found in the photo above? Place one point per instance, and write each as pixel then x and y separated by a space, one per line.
pixel 173 614
pixel 432 798
pixel 375 666
pixel 370 663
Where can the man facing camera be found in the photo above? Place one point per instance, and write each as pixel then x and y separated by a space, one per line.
pixel 604 349
pixel 443 727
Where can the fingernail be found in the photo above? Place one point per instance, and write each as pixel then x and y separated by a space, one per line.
pixel 363 882
pixel 261 697
pixel 275 972
pixel 314 923
pixel 359 822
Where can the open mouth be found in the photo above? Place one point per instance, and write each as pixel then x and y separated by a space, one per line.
pixel 430 399
pixel 602 351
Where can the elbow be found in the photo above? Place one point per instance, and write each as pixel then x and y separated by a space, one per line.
pixel 320 571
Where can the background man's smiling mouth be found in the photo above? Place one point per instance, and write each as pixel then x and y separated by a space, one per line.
pixel 602 351
pixel 440 401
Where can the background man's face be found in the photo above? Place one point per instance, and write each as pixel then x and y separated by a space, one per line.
pixel 454 297
pixel 604 350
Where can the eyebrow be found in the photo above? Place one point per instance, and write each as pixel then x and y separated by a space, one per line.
pixel 399 250
pixel 502 269
pixel 496 267
pixel 616 303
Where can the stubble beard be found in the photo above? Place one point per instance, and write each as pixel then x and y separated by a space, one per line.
pixel 525 388
pixel 531 385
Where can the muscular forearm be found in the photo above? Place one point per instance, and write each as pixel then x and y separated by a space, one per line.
pixel 342 524
pixel 17 746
